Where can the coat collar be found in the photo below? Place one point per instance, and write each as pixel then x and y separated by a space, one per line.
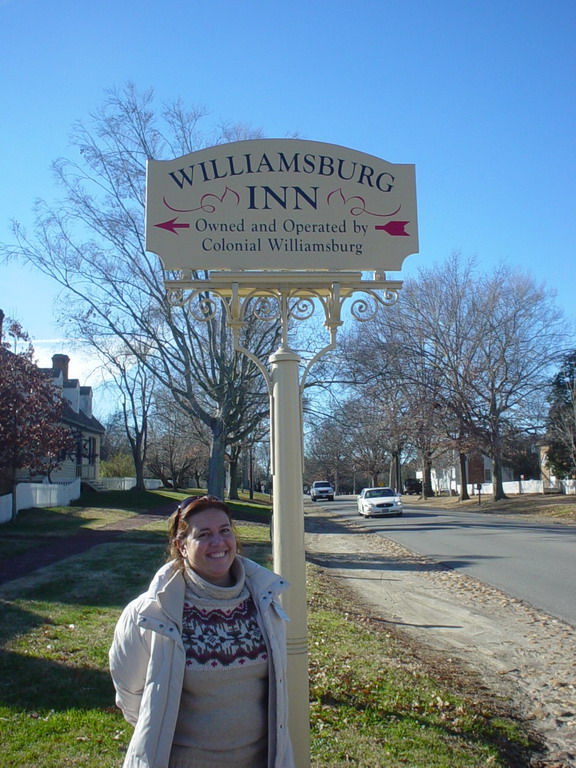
pixel 167 588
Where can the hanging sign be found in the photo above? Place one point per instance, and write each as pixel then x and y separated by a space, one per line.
pixel 283 204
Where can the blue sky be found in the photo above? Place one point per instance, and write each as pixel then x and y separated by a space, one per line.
pixel 479 95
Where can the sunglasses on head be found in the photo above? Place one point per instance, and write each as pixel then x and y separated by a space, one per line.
pixel 185 502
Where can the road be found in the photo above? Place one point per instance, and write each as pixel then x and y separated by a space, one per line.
pixel 531 561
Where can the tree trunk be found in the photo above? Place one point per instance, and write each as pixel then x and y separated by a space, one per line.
pixel 233 487
pixel 182 477
pixel 395 472
pixel 464 495
pixel 138 445
pixel 139 460
pixel 158 471
pixel 140 484
pixel 497 485
pixel 427 491
pixel 496 455
pixel 216 478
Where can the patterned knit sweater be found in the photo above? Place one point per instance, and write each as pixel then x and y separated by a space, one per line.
pixel 223 709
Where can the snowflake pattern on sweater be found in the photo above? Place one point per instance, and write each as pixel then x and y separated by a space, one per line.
pixel 222 637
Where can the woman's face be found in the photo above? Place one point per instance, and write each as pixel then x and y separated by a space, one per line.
pixel 210 547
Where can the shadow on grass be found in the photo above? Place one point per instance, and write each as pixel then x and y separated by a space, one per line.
pixel 32 683
pixel 131 501
pixel 49 522
pixel 109 575
pixel 12 547
pixel 16 621
pixel 249 512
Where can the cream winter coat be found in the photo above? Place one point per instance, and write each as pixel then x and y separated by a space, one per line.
pixel 147 663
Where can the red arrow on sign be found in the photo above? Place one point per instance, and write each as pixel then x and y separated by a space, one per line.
pixel 394 228
pixel 171 225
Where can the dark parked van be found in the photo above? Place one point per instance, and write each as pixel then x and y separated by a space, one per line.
pixel 412 486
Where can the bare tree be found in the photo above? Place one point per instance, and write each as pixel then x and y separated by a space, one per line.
pixel 561 422
pixel 135 387
pixel 245 450
pixel 472 355
pixel 92 244
pixel 370 453
pixel 390 369
pixel 434 327
pixel 377 431
pixel 520 335
pixel 178 445
pixel 329 450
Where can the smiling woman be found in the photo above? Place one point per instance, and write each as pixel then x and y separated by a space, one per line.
pixel 205 645
pixel 208 546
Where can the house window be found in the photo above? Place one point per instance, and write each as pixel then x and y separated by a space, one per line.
pixel 487 475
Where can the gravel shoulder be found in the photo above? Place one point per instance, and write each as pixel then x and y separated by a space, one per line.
pixel 524 657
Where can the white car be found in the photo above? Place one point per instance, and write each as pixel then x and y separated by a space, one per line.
pixel 379 501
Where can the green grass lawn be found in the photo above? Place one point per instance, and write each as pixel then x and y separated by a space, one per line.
pixel 371 705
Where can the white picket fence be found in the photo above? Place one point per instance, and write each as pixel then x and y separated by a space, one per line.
pixel 126 483
pixel 524 486
pixel 39 495
pixel 568 486
pixel 61 494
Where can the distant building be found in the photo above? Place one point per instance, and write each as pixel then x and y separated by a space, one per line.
pixel 446 478
pixel 77 415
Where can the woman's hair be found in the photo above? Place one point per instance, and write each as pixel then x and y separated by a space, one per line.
pixel 178 522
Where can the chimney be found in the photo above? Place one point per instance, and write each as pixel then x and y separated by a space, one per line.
pixel 61 362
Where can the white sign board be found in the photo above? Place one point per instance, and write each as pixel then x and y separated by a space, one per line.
pixel 282 204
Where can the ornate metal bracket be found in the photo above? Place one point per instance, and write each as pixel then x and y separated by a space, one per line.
pixel 282 296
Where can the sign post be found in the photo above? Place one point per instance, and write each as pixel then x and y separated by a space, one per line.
pixel 272 227
pixel 288 536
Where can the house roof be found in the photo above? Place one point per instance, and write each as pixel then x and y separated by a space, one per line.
pixel 54 373
pixel 79 419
